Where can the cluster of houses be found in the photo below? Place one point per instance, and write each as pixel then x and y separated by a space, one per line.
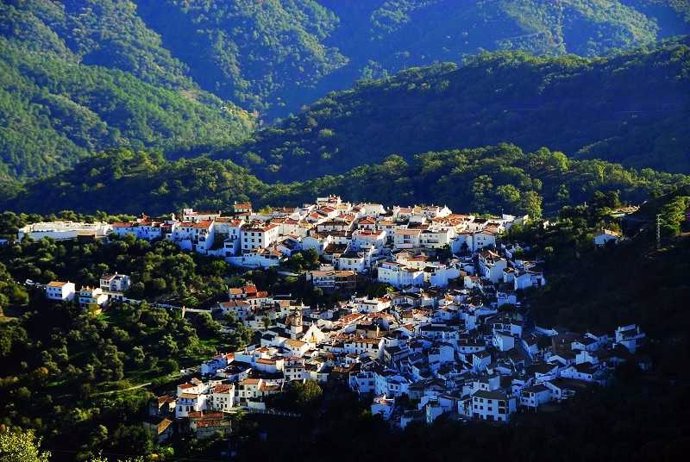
pixel 112 287
pixel 416 354
pixel 449 337
pixel 467 352
pixel 351 237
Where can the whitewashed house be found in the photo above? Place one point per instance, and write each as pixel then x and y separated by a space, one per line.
pixel 494 406
pixel 60 291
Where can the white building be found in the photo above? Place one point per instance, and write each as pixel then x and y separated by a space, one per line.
pixel 404 238
pixel 491 266
pixel 115 282
pixel 365 239
pixel 62 230
pixel 630 336
pixel 141 229
pixel 194 235
pixel 605 237
pixel 258 236
pixel 527 279
pixel 399 275
pixel 534 396
pixel 354 260
pixel 61 291
pixel 492 405
pixel 383 406
pixel 435 239
pixel 92 296
pixel 221 398
pixel 483 239
pixel 189 402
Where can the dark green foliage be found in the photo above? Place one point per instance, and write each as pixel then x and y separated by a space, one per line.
pixel 303 261
pixel 84 75
pixel 631 283
pixel 631 108
pixel 58 104
pixel 484 180
pixel 262 55
pixel 142 182
pixel 159 271
pixel 58 360
pixel 301 396
pixel 273 56
pixel 11 293
pixel 611 424
pixel 673 215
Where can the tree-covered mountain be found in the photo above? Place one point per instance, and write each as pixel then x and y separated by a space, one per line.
pixel 486 180
pixel 137 181
pixel 275 55
pixel 59 104
pixel 631 108
pixel 81 76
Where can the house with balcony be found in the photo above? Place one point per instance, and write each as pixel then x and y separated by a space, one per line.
pixel 405 238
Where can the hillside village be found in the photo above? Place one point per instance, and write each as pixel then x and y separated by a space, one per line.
pixel 449 337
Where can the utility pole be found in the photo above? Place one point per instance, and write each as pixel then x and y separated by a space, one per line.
pixel 658 231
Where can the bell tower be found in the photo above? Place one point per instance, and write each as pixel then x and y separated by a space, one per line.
pixel 294 323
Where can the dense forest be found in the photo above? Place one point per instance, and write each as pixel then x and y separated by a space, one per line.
pixel 82 76
pixel 272 56
pixel 487 180
pixel 632 108
pixel 55 111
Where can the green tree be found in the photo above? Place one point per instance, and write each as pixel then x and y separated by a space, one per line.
pixel 304 394
pixel 18 445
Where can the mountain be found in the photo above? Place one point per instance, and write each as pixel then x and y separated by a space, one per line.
pixel 58 104
pixel 273 56
pixel 630 108
pixel 486 180
pixel 137 181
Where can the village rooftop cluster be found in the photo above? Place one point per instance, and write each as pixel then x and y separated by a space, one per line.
pixel 450 337
pixel 414 354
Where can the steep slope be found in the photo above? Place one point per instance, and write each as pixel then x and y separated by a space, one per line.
pixel 260 54
pixel 54 112
pixel 151 70
pixel 631 108
pixel 273 56
pixel 109 33
pixel 58 103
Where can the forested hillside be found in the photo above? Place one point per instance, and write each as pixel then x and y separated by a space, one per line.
pixel 488 180
pixel 273 56
pixel 81 76
pixel 632 108
pixel 57 104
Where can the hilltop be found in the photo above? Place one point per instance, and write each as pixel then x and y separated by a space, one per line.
pixel 480 180
pixel 631 108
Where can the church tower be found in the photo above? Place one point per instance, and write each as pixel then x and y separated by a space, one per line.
pixel 294 324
